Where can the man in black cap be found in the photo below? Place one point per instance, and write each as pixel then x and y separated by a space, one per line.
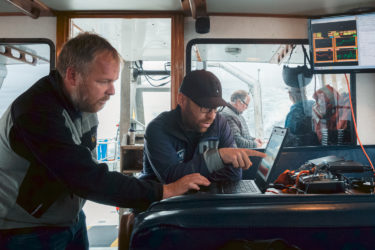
pixel 193 138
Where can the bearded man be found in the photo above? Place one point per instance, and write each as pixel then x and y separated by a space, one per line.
pixel 194 137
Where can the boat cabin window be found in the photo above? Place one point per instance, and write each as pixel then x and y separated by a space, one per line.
pixel 143 89
pixel 283 91
pixel 22 63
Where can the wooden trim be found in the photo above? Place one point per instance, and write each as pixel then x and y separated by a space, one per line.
pixel 193 9
pixel 177 36
pixel 75 26
pixel 177 57
pixel 63 20
pixel 13 14
pixel 62 32
pixel 185 5
pixel 198 8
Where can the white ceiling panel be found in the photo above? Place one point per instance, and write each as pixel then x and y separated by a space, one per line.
pixel 275 7
pixel 76 5
pixel 287 7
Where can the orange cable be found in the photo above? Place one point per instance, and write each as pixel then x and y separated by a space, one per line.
pixel 355 125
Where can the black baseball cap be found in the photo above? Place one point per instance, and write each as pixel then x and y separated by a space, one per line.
pixel 203 88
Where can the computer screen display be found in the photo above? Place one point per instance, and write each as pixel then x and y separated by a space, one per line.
pixel 343 43
pixel 272 151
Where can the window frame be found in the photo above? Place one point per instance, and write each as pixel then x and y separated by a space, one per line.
pixel 17 41
pixel 63 32
pixel 352 75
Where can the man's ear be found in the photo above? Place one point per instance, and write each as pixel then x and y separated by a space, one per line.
pixel 181 99
pixel 71 77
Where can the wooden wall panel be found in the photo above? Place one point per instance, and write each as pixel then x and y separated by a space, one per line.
pixel 178 57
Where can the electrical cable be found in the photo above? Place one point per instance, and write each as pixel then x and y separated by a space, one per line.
pixel 154 85
pixel 355 124
pixel 160 79
pixel 149 78
pixel 291 52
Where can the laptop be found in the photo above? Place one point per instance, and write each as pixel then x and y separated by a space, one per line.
pixel 260 184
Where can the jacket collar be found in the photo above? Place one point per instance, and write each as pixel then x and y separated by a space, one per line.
pixel 58 86
pixel 231 107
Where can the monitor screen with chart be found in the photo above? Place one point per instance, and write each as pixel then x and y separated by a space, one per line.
pixel 343 43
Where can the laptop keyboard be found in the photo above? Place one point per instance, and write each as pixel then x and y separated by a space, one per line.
pixel 240 187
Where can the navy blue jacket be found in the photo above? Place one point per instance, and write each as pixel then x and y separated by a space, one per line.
pixel 169 153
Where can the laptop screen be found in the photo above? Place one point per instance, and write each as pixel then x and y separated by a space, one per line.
pixel 272 150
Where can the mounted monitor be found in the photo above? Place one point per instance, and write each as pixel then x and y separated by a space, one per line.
pixel 343 43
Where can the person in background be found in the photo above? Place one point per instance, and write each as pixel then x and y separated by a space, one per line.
pixel 48 165
pixel 331 116
pixel 194 138
pixel 239 102
pixel 299 119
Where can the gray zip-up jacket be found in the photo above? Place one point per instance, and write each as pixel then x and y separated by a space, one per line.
pixel 239 128
pixel 48 165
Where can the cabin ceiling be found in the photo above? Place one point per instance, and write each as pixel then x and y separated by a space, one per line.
pixel 271 7
pixel 153 42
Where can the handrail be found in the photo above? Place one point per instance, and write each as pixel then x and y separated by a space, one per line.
pixel 7 51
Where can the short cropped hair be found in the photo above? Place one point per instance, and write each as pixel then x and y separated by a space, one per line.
pixel 239 95
pixel 80 51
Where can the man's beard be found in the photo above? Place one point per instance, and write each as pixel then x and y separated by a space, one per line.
pixel 80 97
pixel 193 123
